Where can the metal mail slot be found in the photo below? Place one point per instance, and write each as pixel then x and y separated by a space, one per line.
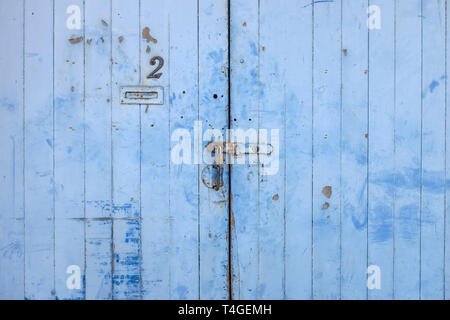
pixel 142 95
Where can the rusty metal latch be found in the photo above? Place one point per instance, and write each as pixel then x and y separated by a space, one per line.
pixel 142 95
pixel 235 149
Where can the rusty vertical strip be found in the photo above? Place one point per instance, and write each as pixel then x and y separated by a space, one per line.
pixel 230 167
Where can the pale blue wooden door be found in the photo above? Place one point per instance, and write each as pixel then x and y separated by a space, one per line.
pixel 341 196
pixel 356 206
pixel 87 183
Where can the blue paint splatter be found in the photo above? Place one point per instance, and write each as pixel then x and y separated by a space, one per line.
pixel 433 85
pixel 217 56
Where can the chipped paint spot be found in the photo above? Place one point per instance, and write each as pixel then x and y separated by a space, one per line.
pixel 146 35
pixel 76 40
pixel 327 191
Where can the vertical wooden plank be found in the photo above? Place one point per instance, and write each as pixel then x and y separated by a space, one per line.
pixel 125 153
pixel 272 173
pixel 11 149
pixel 155 158
pixel 183 179
pixel 39 144
pixel 381 148
pixel 298 145
pixel 98 148
pixel 326 150
pixel 245 96
pixel 433 150
pixel 447 165
pixel 182 74
pixel 69 149
pixel 407 149
pixel 354 149
pixel 213 114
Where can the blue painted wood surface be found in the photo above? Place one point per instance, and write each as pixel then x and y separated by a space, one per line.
pixel 358 112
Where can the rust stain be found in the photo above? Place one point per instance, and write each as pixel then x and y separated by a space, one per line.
pixel 72 89
pixel 148 49
pixel 327 191
pixel 230 269
pixel 76 40
pixel 89 41
pixel 263 48
pixel 209 235
pixel 366 71
pixel 325 205
pixel 244 24
pixel 104 23
pixel 113 247
pixel 146 108
pixel 275 197
pixel 366 135
pixel 146 35
pixel 344 51
pixel 121 38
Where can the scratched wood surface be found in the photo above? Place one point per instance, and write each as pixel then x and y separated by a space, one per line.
pixel 358 180
pixel 86 181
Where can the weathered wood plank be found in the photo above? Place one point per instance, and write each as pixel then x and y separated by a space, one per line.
pixel 39 146
pixel 381 148
pixel 297 142
pixel 326 150
pixel 245 98
pixel 354 149
pixel 433 150
pixel 407 116
pixel 98 148
pixel 447 165
pixel 69 159
pixel 11 149
pixel 213 114
pixel 272 121
pixel 126 198
pixel 155 158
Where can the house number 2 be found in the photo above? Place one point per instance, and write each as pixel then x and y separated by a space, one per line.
pixel 154 74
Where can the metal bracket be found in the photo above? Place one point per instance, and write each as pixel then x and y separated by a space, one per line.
pixel 142 95
pixel 233 149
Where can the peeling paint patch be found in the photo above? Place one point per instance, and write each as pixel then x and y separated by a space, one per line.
pixel 76 40
pixel 327 190
pixel 146 35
